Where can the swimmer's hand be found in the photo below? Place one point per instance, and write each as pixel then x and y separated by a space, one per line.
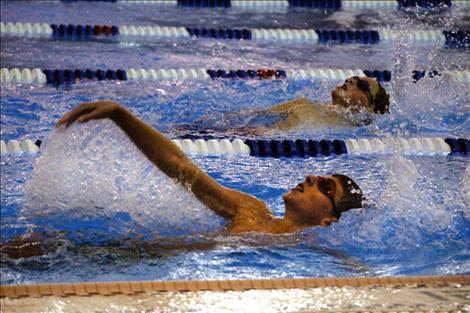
pixel 89 111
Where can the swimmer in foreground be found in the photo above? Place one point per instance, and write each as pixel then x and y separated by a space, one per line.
pixel 356 95
pixel 315 201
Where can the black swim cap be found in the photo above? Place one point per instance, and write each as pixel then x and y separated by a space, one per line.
pixel 352 195
pixel 381 101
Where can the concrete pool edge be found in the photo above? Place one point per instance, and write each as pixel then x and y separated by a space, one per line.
pixel 136 287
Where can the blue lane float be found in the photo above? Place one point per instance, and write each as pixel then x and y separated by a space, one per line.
pixel 111 1
pixel 239 34
pixel 310 4
pixel 348 36
pixel 417 75
pixel 61 77
pixel 328 148
pixel 316 4
pixel 445 38
pixel 381 76
pixel 82 31
pixel 457 39
pixel 248 74
pixel 68 76
pixel 424 3
pixel 300 148
pixel 205 3
pixel 459 146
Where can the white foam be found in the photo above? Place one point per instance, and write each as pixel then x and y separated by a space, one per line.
pixel 466 190
pixel 404 216
pixel 93 170
pixel 412 207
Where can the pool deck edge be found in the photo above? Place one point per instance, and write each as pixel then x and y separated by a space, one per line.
pixel 136 287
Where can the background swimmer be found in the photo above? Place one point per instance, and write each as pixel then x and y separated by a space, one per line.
pixel 357 95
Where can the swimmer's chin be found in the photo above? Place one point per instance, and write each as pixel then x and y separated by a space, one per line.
pixel 288 195
pixel 336 96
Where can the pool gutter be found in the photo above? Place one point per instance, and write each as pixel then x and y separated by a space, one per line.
pixel 135 287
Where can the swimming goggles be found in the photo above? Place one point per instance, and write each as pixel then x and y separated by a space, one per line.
pixel 327 187
pixel 364 86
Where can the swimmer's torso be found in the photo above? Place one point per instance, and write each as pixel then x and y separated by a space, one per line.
pixel 282 117
pixel 302 111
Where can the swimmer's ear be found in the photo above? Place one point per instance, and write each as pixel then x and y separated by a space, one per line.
pixel 327 221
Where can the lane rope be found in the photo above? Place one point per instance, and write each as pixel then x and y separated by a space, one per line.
pixel 445 38
pixel 286 5
pixel 300 148
pixel 60 77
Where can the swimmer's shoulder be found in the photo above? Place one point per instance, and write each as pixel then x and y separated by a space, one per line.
pixel 289 106
pixel 252 215
pixel 297 112
pixel 303 111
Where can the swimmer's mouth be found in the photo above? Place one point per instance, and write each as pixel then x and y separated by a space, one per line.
pixel 344 87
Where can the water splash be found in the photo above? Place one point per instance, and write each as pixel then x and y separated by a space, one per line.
pixel 409 212
pixel 94 176
pixel 413 208
pixel 466 190
pixel 432 105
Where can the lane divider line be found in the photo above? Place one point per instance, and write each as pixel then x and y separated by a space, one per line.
pixel 137 287
pixel 445 38
pixel 299 148
pixel 16 147
pixel 59 77
pixel 285 5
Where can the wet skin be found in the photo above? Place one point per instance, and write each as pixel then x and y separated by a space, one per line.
pixel 350 96
pixel 305 205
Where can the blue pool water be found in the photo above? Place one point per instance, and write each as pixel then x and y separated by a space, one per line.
pixel 116 217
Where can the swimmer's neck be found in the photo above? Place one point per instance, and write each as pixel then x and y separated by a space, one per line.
pixel 265 222
pixel 285 225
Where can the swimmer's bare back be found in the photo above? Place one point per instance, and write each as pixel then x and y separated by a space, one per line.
pixel 243 212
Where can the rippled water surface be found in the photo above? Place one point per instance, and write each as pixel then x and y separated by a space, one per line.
pixel 116 217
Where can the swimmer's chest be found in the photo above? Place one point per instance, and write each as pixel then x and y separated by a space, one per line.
pixel 297 113
pixel 302 111
pixel 251 219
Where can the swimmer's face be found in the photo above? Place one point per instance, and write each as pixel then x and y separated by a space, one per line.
pixel 311 202
pixel 356 93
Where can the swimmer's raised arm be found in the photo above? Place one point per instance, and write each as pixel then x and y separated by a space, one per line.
pixel 162 152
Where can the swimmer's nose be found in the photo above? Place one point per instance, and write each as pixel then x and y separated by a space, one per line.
pixel 311 179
